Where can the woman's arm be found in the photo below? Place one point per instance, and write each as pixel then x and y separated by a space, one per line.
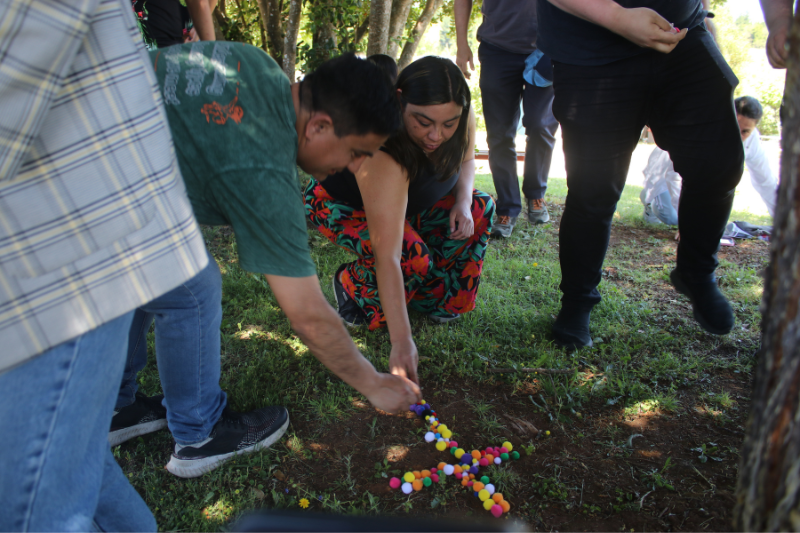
pixel 461 224
pixel 384 189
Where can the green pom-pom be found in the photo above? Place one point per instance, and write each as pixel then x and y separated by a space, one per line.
pixel 427 482
pixel 452 450
pixel 515 455
pixel 504 456
pixel 485 480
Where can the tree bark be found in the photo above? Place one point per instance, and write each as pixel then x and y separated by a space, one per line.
pixel 361 31
pixel 768 492
pixel 397 25
pixel 380 12
pixel 264 10
pixel 410 48
pixel 274 28
pixel 290 39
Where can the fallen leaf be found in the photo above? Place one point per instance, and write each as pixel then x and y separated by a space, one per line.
pixel 279 475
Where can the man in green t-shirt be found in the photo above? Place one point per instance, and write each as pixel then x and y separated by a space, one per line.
pixel 240 130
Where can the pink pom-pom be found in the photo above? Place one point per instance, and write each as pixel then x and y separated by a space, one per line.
pixel 435 478
pixel 470 483
pixel 503 449
pixel 496 511
pixel 453 444
pixel 395 483
pixel 484 461
pixel 434 470
pixel 458 475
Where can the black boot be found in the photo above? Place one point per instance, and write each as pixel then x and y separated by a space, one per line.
pixel 711 309
pixel 571 328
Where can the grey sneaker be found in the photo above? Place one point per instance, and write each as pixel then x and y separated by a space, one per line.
pixel 649 216
pixel 441 317
pixel 537 212
pixel 145 415
pixel 503 226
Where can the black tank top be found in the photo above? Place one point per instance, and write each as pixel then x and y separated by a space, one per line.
pixel 423 192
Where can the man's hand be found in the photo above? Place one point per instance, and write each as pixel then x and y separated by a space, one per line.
pixel 404 359
pixel 462 226
pixel 393 394
pixel 464 58
pixel 777 50
pixel 646 28
pixel 461 13
pixel 640 25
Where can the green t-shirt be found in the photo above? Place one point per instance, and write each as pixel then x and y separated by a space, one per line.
pixel 230 110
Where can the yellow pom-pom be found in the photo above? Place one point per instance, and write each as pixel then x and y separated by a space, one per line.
pixel 483 495
pixel 508 446
pixel 442 427
pixel 459 453
pixel 446 433
pixel 488 503
pixel 441 445
pixel 408 477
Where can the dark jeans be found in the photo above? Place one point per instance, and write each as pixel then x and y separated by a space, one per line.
pixel 502 88
pixel 686 97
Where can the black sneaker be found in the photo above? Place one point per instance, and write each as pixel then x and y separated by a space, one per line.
pixel 234 433
pixel 144 415
pixel 349 310
pixel 710 307
pixel 441 317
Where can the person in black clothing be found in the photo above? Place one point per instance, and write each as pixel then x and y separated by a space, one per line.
pixel 615 70
pixel 164 21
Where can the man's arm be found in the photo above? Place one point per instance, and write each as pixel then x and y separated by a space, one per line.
pixel 462 9
pixel 778 16
pixel 200 11
pixel 640 25
pixel 321 329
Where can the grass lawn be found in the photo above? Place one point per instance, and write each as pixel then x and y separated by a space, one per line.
pixel 643 434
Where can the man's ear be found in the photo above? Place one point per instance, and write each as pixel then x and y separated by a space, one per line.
pixel 320 123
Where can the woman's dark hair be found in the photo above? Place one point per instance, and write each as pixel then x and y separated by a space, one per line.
pixel 431 81
pixel 386 64
pixel 749 107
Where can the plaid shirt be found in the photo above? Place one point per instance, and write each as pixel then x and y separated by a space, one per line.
pixel 94 219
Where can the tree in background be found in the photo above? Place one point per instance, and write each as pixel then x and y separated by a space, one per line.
pixel 301 34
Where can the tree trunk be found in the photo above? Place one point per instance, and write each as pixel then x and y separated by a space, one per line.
pixel 274 28
pixel 380 12
pixel 361 31
pixel 410 48
pixel 397 25
pixel 290 40
pixel 768 493
pixel 264 10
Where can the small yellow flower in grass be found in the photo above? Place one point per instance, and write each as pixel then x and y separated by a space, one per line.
pixel 303 503
pixel 536 264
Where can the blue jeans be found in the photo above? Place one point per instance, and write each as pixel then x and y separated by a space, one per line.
pixel 187 321
pixel 56 469
pixel 502 89
pixel 662 208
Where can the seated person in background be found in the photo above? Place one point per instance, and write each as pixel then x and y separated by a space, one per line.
pixel 240 128
pixel 662 185
pixel 163 21
pixel 410 214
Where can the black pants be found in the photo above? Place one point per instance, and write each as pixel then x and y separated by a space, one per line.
pixel 686 97
pixel 502 88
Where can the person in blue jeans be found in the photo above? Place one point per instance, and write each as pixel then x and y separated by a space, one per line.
pixel 85 238
pixel 241 129
pixel 508 37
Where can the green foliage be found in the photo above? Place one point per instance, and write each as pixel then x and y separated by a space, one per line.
pixel 329 30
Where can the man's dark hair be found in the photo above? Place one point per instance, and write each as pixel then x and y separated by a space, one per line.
pixel 356 94
pixel 387 64
pixel 749 107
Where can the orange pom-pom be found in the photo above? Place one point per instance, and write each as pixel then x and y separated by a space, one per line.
pixel 457 469
pixel 476 454
pixel 472 476
pixel 417 474
pixel 441 466
pixel 426 473
pixel 497 497
pixel 464 481
pixel 417 484
pixel 477 486
pixel 505 505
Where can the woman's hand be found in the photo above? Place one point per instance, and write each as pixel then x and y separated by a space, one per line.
pixel 462 226
pixel 393 394
pixel 404 359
